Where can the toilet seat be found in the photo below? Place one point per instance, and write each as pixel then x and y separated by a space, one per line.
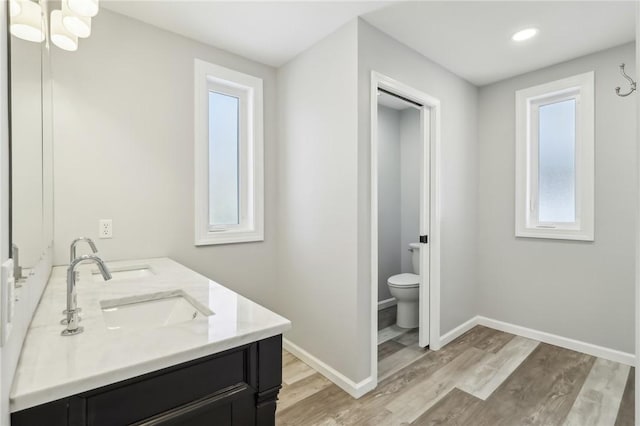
pixel 405 280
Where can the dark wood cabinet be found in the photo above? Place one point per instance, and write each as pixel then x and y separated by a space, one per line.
pixel 236 387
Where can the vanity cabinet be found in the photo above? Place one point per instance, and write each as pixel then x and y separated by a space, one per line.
pixel 236 387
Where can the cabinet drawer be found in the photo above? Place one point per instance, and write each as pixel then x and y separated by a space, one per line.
pixel 234 406
pixel 140 399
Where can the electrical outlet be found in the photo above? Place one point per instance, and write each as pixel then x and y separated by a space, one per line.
pixel 7 299
pixel 106 228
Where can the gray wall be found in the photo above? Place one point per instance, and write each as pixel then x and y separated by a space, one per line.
pixel 410 154
pixel 317 202
pixel 580 290
pixel 124 151
pixel 389 200
pixel 379 52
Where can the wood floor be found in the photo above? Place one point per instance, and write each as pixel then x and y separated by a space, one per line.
pixel 398 352
pixel 483 378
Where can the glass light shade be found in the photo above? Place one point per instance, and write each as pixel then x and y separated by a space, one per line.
pixel 87 8
pixel 28 24
pixel 60 36
pixel 75 24
pixel 14 8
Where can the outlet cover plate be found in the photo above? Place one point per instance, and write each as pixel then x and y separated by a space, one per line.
pixel 106 228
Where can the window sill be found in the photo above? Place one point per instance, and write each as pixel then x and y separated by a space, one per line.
pixel 229 237
pixel 555 234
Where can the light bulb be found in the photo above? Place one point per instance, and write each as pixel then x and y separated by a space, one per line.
pixel 28 25
pixel 60 36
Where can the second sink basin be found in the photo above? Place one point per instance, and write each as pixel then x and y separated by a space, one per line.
pixel 152 310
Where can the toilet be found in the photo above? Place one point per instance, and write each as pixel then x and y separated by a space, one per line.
pixel 405 288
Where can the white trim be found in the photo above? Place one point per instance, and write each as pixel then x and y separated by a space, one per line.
pixel 581 88
pixel 387 303
pixel 433 180
pixel 541 336
pixel 563 342
pixel 449 337
pixel 251 160
pixel 357 390
pixel 354 389
pixel 434 236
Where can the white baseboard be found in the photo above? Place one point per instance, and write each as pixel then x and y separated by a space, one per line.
pixel 458 331
pixel 357 390
pixel 354 389
pixel 553 339
pixel 387 303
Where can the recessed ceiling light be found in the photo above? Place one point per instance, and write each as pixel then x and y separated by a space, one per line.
pixel 525 34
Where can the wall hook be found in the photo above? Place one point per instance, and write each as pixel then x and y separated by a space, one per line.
pixel 631 82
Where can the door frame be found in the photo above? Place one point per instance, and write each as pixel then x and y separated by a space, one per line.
pixel 432 104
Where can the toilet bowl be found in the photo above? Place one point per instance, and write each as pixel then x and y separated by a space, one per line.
pixel 406 289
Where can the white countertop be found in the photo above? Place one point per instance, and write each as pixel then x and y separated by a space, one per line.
pixel 52 366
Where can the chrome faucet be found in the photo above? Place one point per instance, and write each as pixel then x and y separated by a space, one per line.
pixel 72 257
pixel 72 313
pixel 74 243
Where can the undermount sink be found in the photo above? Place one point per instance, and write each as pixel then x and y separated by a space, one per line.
pixel 125 272
pixel 152 310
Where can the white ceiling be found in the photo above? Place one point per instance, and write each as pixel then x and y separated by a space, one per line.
pixel 268 32
pixel 472 39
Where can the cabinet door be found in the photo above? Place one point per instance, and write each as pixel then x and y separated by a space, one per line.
pixel 232 407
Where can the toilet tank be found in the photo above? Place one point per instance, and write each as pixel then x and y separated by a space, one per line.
pixel 415 257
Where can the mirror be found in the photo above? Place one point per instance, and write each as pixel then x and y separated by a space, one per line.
pixel 31 153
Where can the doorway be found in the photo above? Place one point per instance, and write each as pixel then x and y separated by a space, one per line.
pixel 404 212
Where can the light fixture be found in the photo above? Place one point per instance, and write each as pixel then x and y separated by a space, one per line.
pixel 60 36
pixel 65 26
pixel 525 34
pixel 28 24
pixel 75 24
pixel 87 8
pixel 14 8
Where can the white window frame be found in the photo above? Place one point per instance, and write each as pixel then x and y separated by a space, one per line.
pixel 528 102
pixel 210 77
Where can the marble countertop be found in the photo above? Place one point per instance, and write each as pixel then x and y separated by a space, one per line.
pixel 53 367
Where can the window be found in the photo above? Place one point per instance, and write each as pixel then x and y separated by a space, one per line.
pixel 555 159
pixel 228 156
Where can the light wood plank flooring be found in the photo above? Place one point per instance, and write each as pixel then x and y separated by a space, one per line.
pixel 485 377
pixel 397 352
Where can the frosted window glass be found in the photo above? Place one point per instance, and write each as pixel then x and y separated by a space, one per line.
pixel 557 162
pixel 223 159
